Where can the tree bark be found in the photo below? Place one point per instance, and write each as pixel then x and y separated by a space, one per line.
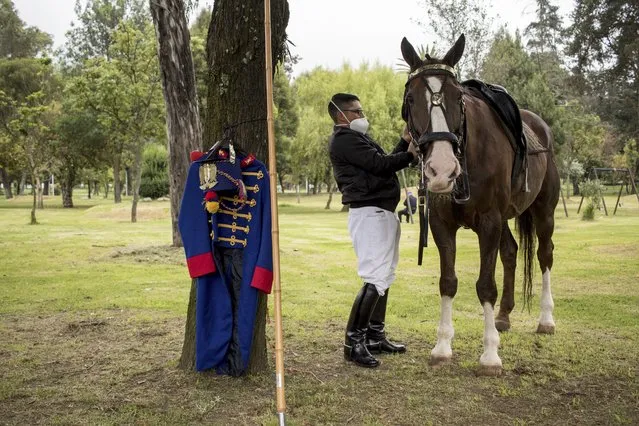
pixel 22 184
pixel 45 191
pixel 33 209
pixel 128 176
pixel 235 55
pixel 67 178
pixel 183 127
pixel 330 197
pixel 38 187
pixel 137 178
pixel 117 183
pixel 6 184
pixel 89 189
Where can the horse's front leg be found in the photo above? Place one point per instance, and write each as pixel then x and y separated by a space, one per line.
pixel 489 232
pixel 444 235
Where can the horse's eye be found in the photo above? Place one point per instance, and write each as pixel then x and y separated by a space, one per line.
pixel 409 99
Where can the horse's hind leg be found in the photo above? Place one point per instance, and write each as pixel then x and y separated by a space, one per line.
pixel 508 253
pixel 544 226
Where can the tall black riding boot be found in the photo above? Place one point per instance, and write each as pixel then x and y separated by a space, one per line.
pixel 355 343
pixel 376 340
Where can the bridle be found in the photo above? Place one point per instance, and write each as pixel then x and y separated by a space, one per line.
pixel 426 138
pixel 436 101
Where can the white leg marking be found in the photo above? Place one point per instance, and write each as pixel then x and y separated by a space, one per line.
pixel 490 358
pixel 547 303
pixel 445 331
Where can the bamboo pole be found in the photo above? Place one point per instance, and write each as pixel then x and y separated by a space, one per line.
pixel 275 228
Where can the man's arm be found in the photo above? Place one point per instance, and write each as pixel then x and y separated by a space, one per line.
pixel 359 153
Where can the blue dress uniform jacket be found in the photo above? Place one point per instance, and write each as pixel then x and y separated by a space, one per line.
pixel 241 226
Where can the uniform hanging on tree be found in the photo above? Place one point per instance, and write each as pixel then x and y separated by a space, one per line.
pixel 225 222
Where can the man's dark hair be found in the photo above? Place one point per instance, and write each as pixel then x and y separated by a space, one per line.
pixel 341 100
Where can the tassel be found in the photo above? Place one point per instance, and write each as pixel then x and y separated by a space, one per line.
pixel 212 206
pixel 211 203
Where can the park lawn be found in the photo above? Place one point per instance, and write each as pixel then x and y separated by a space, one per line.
pixel 92 311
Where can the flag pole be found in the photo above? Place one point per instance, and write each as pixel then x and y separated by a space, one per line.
pixel 275 228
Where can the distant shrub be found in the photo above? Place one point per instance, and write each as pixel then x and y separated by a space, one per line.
pixel 590 189
pixel 155 172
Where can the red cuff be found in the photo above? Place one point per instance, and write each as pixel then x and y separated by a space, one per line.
pixel 201 264
pixel 262 279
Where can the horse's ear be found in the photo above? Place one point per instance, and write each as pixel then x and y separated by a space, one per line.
pixel 455 53
pixel 410 56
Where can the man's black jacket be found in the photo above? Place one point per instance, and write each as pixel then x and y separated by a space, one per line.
pixel 365 174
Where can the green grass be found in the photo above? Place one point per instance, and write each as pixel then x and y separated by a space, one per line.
pixel 92 311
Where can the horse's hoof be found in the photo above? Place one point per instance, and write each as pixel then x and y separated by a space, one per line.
pixel 545 329
pixel 438 361
pixel 502 325
pixel 489 370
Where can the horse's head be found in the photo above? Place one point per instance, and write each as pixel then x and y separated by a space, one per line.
pixel 433 110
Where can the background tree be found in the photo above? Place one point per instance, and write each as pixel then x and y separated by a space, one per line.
pixel 91 38
pixel 79 148
pixel 124 93
pixel 606 48
pixel 183 127
pixel 448 19
pixel 20 45
pixel 286 122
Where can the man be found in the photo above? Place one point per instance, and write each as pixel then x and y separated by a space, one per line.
pixel 366 177
pixel 409 201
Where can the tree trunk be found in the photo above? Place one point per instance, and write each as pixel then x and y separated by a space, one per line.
pixel 96 188
pixel 106 189
pixel 47 182
pixel 281 179
pixel 183 127
pixel 23 183
pixel 297 189
pixel 235 56
pixel 67 178
pixel 330 197
pixel 89 189
pixel 137 178
pixel 6 184
pixel 129 181
pixel 575 186
pixel 117 183
pixel 38 191
pixel 33 209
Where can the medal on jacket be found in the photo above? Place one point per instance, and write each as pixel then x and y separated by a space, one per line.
pixel 208 175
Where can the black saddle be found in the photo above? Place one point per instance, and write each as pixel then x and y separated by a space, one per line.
pixel 507 110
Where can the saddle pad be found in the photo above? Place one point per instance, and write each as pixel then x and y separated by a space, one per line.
pixel 533 146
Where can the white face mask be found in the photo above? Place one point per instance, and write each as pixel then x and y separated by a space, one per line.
pixel 359 124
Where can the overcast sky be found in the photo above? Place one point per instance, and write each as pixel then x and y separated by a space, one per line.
pixel 326 32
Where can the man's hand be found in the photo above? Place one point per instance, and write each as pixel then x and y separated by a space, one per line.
pixel 406 135
pixel 412 148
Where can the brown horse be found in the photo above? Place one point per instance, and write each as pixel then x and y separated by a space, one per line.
pixel 450 124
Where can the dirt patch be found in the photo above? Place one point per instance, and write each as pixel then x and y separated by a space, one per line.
pixel 119 367
pixel 157 254
pixel 154 210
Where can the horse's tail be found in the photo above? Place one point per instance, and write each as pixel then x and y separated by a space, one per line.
pixel 526 228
